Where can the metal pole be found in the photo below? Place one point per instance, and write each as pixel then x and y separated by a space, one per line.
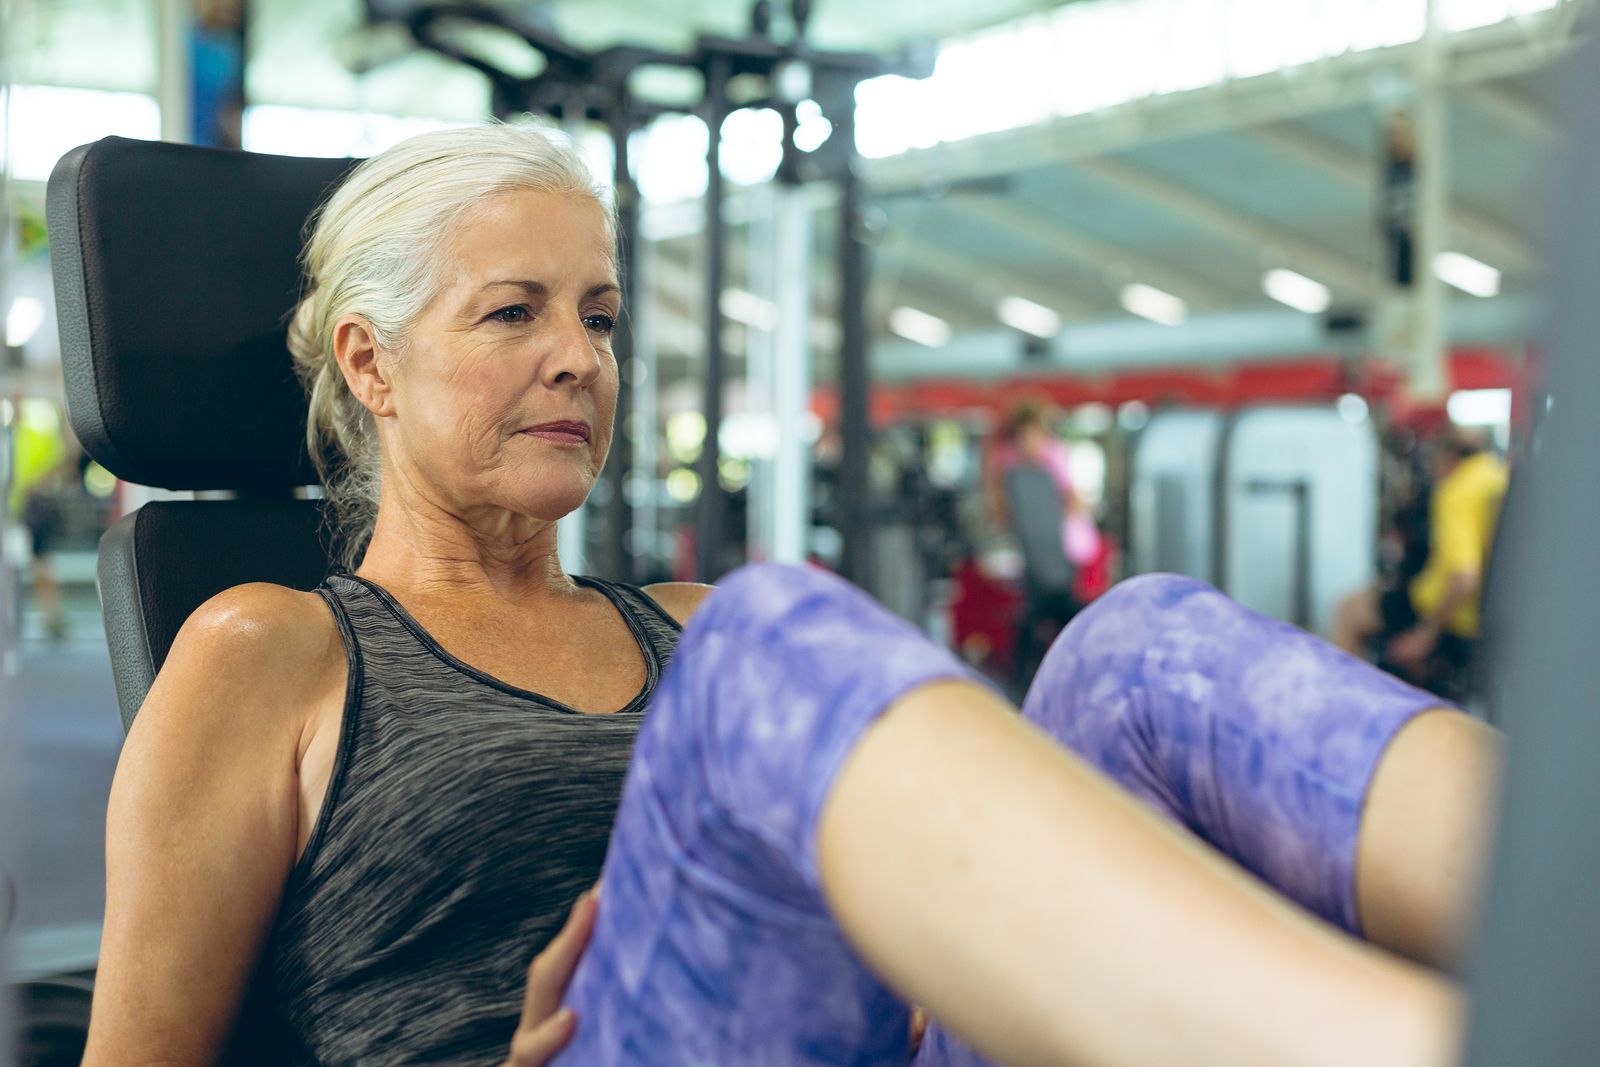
pixel 709 512
pixel 761 396
pixel 616 561
pixel 572 532
pixel 855 492
pixel 1428 364
pixel 641 484
pixel 175 77
pixel 791 375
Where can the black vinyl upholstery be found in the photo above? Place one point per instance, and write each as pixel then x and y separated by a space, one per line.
pixel 161 562
pixel 176 269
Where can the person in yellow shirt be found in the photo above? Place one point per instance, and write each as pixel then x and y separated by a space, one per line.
pixel 1445 596
pixel 1426 629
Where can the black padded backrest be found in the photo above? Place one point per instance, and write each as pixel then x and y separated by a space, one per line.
pixel 166 559
pixel 175 270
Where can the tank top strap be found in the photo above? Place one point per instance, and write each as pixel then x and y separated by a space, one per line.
pixel 371 621
pixel 659 630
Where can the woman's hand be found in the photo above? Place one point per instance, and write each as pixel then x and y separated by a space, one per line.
pixel 919 1029
pixel 543 1031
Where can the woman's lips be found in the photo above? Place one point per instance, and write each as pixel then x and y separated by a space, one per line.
pixel 565 432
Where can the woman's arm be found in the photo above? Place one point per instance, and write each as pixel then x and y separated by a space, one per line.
pixel 203 822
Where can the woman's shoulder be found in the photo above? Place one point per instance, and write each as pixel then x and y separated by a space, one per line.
pixel 259 645
pixel 260 623
pixel 679 599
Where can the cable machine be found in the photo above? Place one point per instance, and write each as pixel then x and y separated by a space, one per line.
pixel 578 86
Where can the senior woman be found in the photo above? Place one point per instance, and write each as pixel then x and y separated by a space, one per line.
pixel 379 799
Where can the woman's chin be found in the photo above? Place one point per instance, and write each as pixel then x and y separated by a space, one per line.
pixel 551 503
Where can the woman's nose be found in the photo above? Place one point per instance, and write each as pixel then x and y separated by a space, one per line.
pixel 572 358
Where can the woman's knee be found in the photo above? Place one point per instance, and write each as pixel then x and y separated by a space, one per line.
pixel 776 676
pixel 1104 689
pixel 1125 633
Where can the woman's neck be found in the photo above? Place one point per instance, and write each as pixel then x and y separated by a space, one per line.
pixel 425 550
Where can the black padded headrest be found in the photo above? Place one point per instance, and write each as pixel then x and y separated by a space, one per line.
pixel 176 268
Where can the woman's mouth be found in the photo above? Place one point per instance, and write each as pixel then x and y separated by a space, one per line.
pixel 568 432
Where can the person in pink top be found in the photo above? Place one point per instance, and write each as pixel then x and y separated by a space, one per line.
pixel 1025 438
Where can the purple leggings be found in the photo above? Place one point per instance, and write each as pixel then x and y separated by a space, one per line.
pixel 714 945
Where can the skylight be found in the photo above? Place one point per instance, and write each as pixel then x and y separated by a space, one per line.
pixel 1097 54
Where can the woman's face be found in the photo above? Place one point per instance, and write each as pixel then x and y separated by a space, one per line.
pixel 505 397
pixel 1033 440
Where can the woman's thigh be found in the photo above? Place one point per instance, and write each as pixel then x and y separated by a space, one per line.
pixel 714 944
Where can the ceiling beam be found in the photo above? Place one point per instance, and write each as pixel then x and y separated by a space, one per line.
pixel 1273 245
pixel 1472 229
pixel 984 282
pixel 1515 108
pixel 1117 264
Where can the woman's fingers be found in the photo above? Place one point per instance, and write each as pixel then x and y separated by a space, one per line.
pixel 543 1030
pixel 535 1046
pixel 552 969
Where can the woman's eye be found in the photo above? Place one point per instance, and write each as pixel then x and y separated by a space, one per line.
pixel 600 323
pixel 514 313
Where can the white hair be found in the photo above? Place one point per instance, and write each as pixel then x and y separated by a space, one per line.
pixel 374 252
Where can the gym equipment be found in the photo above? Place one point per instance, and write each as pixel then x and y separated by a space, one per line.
pixel 175 271
pixel 1535 979
pixel 1276 506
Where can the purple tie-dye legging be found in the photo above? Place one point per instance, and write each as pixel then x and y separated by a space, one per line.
pixel 714 945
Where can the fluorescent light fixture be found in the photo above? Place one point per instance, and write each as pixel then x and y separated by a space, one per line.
pixel 1467 274
pixel 1352 408
pixel 919 326
pixel 1296 290
pixel 1025 315
pixel 23 320
pixel 1480 407
pixel 750 309
pixel 1154 304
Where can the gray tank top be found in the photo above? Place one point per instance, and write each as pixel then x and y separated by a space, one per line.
pixel 462 819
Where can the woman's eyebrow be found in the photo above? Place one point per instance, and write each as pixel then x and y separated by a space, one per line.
pixel 603 289
pixel 530 287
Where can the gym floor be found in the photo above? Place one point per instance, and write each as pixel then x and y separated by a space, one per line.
pixel 66 739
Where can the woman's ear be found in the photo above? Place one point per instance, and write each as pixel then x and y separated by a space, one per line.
pixel 355 349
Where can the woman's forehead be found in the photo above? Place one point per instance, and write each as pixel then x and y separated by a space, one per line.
pixel 536 234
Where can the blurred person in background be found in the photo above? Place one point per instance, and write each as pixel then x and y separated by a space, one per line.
pixel 43 464
pixel 1024 439
pixel 1427 629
